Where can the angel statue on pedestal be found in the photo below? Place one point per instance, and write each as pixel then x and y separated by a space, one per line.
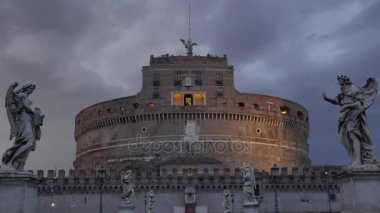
pixel 227 201
pixel 25 125
pixel 128 182
pixel 249 185
pixel 353 127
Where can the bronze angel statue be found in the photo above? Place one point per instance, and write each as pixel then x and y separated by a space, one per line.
pixel 189 46
pixel 25 125
pixel 353 129
pixel 249 185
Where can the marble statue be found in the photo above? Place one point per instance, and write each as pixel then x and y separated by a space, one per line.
pixel 189 46
pixel 227 201
pixel 353 128
pixel 150 201
pixel 128 182
pixel 249 185
pixel 25 125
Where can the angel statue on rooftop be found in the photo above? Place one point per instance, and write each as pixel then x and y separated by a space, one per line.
pixel 189 46
pixel 25 125
pixel 353 128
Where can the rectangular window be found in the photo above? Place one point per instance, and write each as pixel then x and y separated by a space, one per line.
pixel 178 79
pixel 270 107
pixel 156 79
pixel 156 93
pixel 219 91
pixel 188 99
pixel 219 79
pixel 177 99
pixel 198 79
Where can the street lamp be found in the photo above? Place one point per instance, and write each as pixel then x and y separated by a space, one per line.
pixel 101 175
pixel 233 201
pixel 145 202
pixel 53 189
pixel 325 179
pixel 275 172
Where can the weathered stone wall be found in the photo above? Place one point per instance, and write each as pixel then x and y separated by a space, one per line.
pixel 304 190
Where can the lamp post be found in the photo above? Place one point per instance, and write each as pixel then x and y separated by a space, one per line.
pixel 145 202
pixel 53 188
pixel 101 175
pixel 325 179
pixel 233 201
pixel 275 172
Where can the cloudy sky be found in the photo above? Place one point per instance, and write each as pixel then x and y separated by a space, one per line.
pixel 80 52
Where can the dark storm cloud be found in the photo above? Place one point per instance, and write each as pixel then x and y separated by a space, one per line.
pixel 80 52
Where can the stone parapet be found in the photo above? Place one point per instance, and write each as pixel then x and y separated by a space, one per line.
pixel 311 179
pixel 183 60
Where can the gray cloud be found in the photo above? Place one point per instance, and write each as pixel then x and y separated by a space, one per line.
pixel 80 52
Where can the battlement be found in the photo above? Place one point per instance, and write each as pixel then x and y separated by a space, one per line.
pixel 181 60
pixel 314 178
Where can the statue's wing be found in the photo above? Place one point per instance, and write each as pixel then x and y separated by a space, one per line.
pixel 194 44
pixel 12 105
pixel 367 93
pixel 183 41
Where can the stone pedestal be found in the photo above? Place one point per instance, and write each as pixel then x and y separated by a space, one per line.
pixel 18 192
pixel 359 191
pixel 126 208
pixel 251 208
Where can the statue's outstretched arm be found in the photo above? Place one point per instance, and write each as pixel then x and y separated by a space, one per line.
pixel 330 100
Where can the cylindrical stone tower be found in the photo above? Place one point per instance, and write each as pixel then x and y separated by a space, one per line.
pixel 189 115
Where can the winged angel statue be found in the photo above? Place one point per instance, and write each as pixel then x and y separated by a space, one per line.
pixel 128 182
pixel 353 129
pixel 189 46
pixel 249 185
pixel 25 125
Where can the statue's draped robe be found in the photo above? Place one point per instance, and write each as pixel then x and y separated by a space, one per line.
pixel 353 120
pixel 25 137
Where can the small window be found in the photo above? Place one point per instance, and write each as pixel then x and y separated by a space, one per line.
pixel 285 110
pixel 219 91
pixel 256 106
pixel 241 104
pixel 300 115
pixel 78 121
pixel 219 79
pixel 156 93
pixel 178 79
pixel 198 79
pixel 156 79
pixel 270 107
pixel 109 110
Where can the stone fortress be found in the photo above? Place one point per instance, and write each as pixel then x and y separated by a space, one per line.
pixel 189 114
pixel 186 134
